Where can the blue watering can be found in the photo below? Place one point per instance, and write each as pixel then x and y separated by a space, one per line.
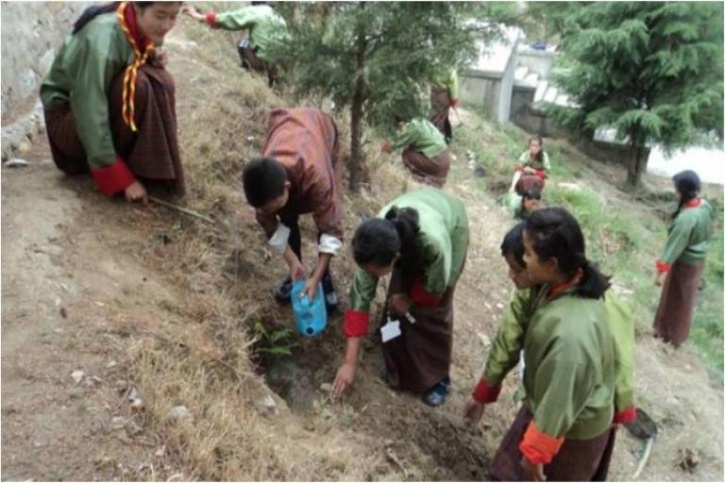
pixel 310 317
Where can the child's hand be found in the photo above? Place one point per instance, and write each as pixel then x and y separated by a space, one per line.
pixel 473 411
pixel 399 304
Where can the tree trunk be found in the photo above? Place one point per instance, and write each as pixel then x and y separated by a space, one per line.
pixel 357 157
pixel 637 164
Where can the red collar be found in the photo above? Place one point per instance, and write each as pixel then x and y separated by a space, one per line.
pixel 560 288
pixel 693 203
pixel 129 14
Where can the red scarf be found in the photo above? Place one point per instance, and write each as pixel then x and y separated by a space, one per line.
pixel 126 15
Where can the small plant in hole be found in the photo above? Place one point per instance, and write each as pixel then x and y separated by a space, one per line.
pixel 273 345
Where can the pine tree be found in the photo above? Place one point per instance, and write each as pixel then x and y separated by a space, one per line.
pixel 377 58
pixel 651 70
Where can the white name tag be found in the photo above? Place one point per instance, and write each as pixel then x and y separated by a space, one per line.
pixel 390 330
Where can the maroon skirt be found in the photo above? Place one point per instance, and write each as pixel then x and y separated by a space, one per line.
pixel 577 460
pixel 441 106
pixel 151 153
pixel 432 171
pixel 677 302
pixel 421 356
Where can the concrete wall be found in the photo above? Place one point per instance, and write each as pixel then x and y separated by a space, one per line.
pixel 482 89
pixel 538 61
pixel 490 90
pixel 536 122
pixel 507 86
pixel 31 33
pixel 529 119
pixel 606 152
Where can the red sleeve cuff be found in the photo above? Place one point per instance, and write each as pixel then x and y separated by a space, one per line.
pixel 113 178
pixel 539 447
pixel 662 266
pixel 626 416
pixel 211 19
pixel 540 173
pixel 356 323
pixel 485 393
pixel 421 297
pixel 454 102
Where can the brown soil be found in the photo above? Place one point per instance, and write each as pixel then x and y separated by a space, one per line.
pixel 149 299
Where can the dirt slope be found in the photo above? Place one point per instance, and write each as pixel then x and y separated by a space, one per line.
pixel 151 300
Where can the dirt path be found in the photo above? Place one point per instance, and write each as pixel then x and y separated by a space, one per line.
pixel 143 299
pixel 62 280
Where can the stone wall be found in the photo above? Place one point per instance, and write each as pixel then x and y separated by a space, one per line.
pixel 539 61
pixel 482 90
pixel 31 34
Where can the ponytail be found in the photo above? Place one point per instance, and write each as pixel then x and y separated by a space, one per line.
pixel 92 12
pixel 593 283
pixel 405 221
pixel 557 234
pixel 687 183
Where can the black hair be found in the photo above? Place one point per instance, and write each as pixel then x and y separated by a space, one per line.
pixel 95 10
pixel 263 180
pixel 540 154
pixel 557 234
pixel 377 241
pixel 259 3
pixel 687 184
pixel 92 12
pixel 513 243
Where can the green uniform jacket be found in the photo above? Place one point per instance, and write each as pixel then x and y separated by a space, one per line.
pixel 689 235
pixel 422 136
pixel 442 242
pixel 266 27
pixel 569 376
pixel 82 74
pixel 621 327
pixel 509 341
pixel 525 159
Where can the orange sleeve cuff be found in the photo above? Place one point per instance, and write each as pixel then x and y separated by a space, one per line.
pixel 626 416
pixel 485 393
pixel 211 19
pixel 114 178
pixel 662 266
pixel 356 323
pixel 539 447
pixel 421 297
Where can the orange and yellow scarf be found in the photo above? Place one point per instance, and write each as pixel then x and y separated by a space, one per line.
pixel 127 21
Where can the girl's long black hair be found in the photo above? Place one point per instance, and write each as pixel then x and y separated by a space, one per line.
pixel 687 184
pixel 92 12
pixel 377 241
pixel 557 234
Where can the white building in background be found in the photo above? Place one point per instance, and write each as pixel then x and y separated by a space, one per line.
pixel 488 82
